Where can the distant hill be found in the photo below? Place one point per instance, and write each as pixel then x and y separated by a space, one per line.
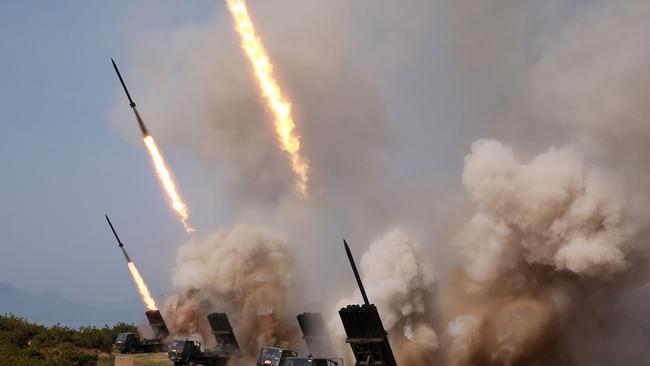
pixel 52 308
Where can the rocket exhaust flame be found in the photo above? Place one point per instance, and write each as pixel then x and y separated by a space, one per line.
pixel 143 290
pixel 284 124
pixel 163 172
pixel 145 295
pixel 167 182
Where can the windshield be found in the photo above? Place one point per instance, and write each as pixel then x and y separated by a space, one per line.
pixel 177 345
pixel 269 357
pixel 121 338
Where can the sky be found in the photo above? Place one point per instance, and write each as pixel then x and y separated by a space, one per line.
pixel 63 165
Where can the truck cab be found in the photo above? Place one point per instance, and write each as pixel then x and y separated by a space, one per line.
pixel 126 342
pixel 273 356
pixel 181 351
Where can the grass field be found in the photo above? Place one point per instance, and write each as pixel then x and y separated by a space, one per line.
pixel 144 359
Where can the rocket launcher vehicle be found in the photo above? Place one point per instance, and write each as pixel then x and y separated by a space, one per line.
pixel 364 329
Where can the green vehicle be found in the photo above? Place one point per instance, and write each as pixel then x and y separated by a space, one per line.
pixel 189 353
pixel 131 343
pixel 273 356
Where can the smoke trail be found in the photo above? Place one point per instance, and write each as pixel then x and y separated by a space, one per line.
pixel 400 281
pixel 244 271
pixel 284 124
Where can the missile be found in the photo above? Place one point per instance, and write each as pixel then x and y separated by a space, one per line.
pixel 356 273
pixel 143 128
pixel 119 242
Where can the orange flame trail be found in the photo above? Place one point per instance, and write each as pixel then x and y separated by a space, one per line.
pixel 284 125
pixel 168 183
pixel 142 288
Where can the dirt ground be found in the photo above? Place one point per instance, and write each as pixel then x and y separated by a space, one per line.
pixel 150 359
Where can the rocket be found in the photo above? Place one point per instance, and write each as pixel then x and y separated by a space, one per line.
pixel 356 273
pixel 119 242
pixel 143 128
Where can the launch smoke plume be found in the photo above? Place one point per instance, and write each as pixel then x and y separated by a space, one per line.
pixel 400 282
pixel 541 229
pixel 556 211
pixel 244 271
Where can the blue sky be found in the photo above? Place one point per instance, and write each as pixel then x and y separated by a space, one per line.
pixel 62 164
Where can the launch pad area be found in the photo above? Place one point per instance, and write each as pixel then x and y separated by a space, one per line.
pixel 145 359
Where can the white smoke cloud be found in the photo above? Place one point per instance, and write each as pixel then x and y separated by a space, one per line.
pixel 244 271
pixel 465 333
pixel 557 211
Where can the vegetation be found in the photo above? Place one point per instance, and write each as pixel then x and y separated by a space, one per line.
pixel 27 344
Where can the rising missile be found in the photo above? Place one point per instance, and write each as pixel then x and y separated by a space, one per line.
pixel 119 242
pixel 144 130
pixel 356 273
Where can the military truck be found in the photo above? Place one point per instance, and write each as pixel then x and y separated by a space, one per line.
pixel 190 353
pixel 318 344
pixel 274 356
pixel 132 343
pixel 365 332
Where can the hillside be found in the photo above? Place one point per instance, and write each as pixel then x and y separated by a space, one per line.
pixel 23 343
pixel 52 308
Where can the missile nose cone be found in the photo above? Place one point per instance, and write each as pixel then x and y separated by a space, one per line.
pixel 117 71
